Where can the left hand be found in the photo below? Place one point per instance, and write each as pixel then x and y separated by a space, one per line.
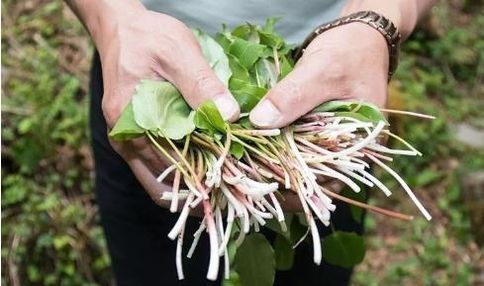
pixel 345 62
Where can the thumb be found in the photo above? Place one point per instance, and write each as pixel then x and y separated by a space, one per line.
pixel 295 95
pixel 198 83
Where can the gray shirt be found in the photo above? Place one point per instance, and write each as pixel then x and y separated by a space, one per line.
pixel 298 17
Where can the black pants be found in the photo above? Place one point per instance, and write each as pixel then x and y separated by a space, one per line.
pixel 136 228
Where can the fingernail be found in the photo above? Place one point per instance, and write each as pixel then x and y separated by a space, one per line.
pixel 227 106
pixel 265 114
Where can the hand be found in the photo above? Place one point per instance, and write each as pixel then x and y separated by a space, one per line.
pixel 346 62
pixel 149 45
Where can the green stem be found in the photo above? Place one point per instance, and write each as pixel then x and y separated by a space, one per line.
pixel 166 154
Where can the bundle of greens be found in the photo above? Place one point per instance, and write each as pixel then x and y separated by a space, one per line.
pixel 238 174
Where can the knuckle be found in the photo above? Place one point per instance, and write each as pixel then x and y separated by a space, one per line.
pixel 205 83
pixel 287 94
pixel 337 72
pixel 111 110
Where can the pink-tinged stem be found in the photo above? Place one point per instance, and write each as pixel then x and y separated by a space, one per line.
pixel 368 152
pixel 368 207
pixel 176 187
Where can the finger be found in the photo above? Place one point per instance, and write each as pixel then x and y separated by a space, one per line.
pixel 292 97
pixel 146 178
pixel 197 82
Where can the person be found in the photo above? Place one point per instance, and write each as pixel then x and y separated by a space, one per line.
pixel 134 42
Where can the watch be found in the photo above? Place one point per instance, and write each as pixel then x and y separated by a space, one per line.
pixel 377 21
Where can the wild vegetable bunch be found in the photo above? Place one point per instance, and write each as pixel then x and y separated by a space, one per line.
pixel 239 174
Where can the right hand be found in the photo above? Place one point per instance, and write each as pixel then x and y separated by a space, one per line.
pixel 142 44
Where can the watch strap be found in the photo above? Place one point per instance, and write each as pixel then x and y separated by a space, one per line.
pixel 377 21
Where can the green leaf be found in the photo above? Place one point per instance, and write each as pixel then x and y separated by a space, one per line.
pixel 284 253
pixel 335 105
pixel 270 23
pixel 274 225
pixel 234 279
pixel 266 72
pixel 159 107
pixel 247 95
pixel 126 127
pixel 207 117
pixel 372 112
pixel 237 150
pixel 286 67
pixel 224 40
pixel 254 261
pixel 271 40
pixel 242 31
pixel 246 52
pixel 286 51
pixel 215 56
pixel 344 249
pixel 239 72
pixel 353 115
pixel 298 228
pixel 243 122
pixel 359 110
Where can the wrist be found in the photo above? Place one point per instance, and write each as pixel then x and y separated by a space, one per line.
pixel 402 13
pixel 376 21
pixel 101 17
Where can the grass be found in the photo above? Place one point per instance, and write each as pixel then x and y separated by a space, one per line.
pixel 50 230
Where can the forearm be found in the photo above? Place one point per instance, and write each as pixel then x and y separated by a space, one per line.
pixel 100 15
pixel 403 13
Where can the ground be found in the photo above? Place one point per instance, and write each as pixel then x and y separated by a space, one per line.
pixel 50 227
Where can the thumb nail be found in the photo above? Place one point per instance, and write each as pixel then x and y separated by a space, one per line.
pixel 265 114
pixel 227 106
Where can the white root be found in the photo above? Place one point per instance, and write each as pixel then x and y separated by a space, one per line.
pixel 179 262
pixel 213 265
pixel 317 253
pixel 228 230
pixel 165 173
pixel 409 146
pixel 377 182
pixel 180 223
pixel 356 176
pixel 404 185
pixel 246 191
pixel 226 264
pixel 326 171
pixel 196 238
pixel 170 196
pixel 372 136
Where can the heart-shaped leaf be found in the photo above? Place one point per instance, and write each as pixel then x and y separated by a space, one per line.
pixel 207 117
pixel 254 261
pixel 247 94
pixel 126 127
pixel 159 107
pixel 246 52
pixel 237 150
pixel 284 253
pixel 215 56
pixel 344 249
pixel 364 111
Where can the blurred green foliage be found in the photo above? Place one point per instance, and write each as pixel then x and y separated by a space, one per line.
pixel 50 233
pixel 441 73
